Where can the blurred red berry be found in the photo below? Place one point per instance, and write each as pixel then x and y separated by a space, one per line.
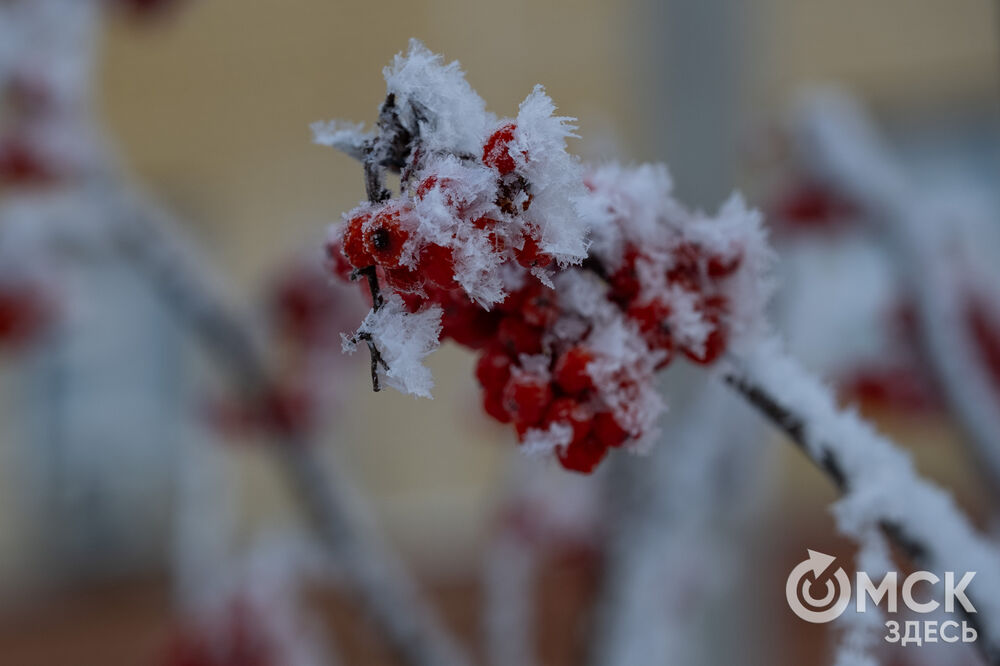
pixel 652 321
pixel 571 372
pixel 518 337
pixel 608 431
pixel 336 260
pixel 526 398
pixel 723 265
pixel 493 367
pixel 625 281
pixel 539 307
pixel 22 165
pixel 23 314
pixel 465 322
pixel 715 345
pixel 569 412
pixel 582 456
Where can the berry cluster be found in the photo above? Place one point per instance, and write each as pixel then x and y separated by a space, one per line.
pixel 574 288
pixel 549 364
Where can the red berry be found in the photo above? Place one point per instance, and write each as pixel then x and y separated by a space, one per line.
pixel 412 302
pixel 624 281
pixel 652 321
pixel 426 185
pixel 23 314
pixel 582 456
pixel 438 265
pixel 385 236
pixel 336 261
pixel 684 270
pixel 489 224
pixel 22 165
pixel 493 368
pixel 496 152
pixel 572 413
pixel 353 241
pixel 404 280
pixel 303 302
pixel 715 345
pixel 286 409
pixel 539 307
pixel 465 322
pixel 571 372
pixel 608 431
pixel 526 398
pixel 494 406
pixel 720 265
pixel 446 186
pixel 531 255
pixel 519 337
pixel 713 306
pixel 812 206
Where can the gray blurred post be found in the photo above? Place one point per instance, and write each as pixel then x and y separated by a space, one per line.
pixel 693 55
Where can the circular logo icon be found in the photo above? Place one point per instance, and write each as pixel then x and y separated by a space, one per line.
pixel 822 606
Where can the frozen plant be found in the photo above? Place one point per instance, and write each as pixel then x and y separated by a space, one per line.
pixel 576 286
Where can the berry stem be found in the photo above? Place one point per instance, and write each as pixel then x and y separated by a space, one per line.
pixel 388 149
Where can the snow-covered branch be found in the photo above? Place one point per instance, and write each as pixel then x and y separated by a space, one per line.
pixel 838 145
pixel 881 488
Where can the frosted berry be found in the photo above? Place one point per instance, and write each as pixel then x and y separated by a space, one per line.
pixel 652 321
pixel 608 431
pixel 493 368
pixel 447 188
pixel 539 307
pixel 723 265
pixel 571 372
pixel 353 242
pixel 625 281
pixel 336 260
pixel 526 398
pixel 496 152
pixel 582 456
pixel 531 255
pixel 572 413
pixel 438 265
pixel 404 280
pixel 715 345
pixel 464 321
pixel 385 236
pixel 518 337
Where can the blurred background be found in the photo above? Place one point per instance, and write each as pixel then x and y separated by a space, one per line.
pixel 120 464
